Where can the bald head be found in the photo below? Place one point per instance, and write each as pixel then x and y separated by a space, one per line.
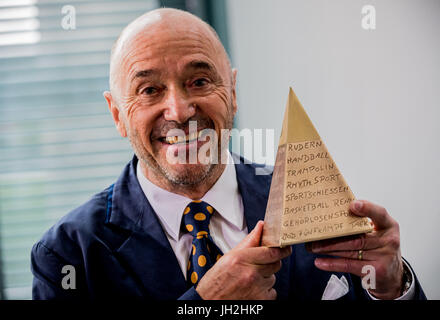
pixel 163 21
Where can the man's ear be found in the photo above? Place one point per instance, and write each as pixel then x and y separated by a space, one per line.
pixel 234 91
pixel 114 110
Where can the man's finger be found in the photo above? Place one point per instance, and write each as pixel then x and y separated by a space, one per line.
pixel 271 294
pixel 267 270
pixel 341 265
pixel 265 255
pixel 378 214
pixel 367 255
pixel 367 241
pixel 269 282
pixel 253 239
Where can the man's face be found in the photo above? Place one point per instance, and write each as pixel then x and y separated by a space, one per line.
pixel 168 78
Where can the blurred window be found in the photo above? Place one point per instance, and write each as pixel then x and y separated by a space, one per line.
pixel 58 144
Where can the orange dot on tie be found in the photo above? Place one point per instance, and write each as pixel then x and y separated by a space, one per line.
pixel 194 249
pixel 197 201
pixel 187 209
pixel 210 209
pixel 202 260
pixel 189 265
pixel 218 257
pixel 194 277
pixel 189 227
pixel 201 234
pixel 200 216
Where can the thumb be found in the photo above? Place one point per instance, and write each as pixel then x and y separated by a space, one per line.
pixel 252 239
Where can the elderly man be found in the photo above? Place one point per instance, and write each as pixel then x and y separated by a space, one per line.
pixel 179 230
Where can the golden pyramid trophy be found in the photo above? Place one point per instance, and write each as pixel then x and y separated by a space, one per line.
pixel 309 198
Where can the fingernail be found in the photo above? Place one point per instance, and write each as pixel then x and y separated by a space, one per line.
pixel 358 206
pixel 320 263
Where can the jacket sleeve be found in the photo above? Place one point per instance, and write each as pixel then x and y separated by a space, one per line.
pixel 418 291
pixel 190 294
pixel 47 268
pixel 415 291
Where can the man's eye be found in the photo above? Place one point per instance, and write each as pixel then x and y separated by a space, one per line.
pixel 200 82
pixel 150 91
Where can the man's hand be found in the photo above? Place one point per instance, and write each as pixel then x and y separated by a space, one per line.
pixel 245 272
pixel 380 248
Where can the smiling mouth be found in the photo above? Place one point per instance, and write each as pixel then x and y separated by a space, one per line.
pixel 188 138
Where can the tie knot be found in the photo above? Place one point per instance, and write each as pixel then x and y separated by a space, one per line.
pixel 196 218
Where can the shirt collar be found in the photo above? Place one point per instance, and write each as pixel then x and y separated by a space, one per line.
pixel 224 196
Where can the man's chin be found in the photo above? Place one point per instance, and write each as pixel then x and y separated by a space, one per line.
pixel 187 174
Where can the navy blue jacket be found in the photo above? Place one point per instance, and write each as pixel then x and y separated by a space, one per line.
pixel 119 250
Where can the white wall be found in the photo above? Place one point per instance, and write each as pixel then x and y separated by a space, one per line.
pixel 373 96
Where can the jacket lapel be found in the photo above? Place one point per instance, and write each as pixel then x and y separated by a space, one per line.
pixel 146 253
pixel 254 191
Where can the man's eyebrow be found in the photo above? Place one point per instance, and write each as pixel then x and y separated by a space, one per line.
pixel 200 64
pixel 144 73
pixel 194 64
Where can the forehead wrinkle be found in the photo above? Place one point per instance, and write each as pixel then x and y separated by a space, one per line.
pixel 141 61
pixel 176 28
pixel 164 33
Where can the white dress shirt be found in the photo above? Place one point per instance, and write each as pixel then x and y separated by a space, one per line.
pixel 227 226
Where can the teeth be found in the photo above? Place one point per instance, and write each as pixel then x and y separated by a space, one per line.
pixel 171 140
pixel 192 136
pixel 186 138
pixel 181 139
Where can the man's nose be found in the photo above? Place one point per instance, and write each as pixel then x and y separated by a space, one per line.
pixel 178 106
